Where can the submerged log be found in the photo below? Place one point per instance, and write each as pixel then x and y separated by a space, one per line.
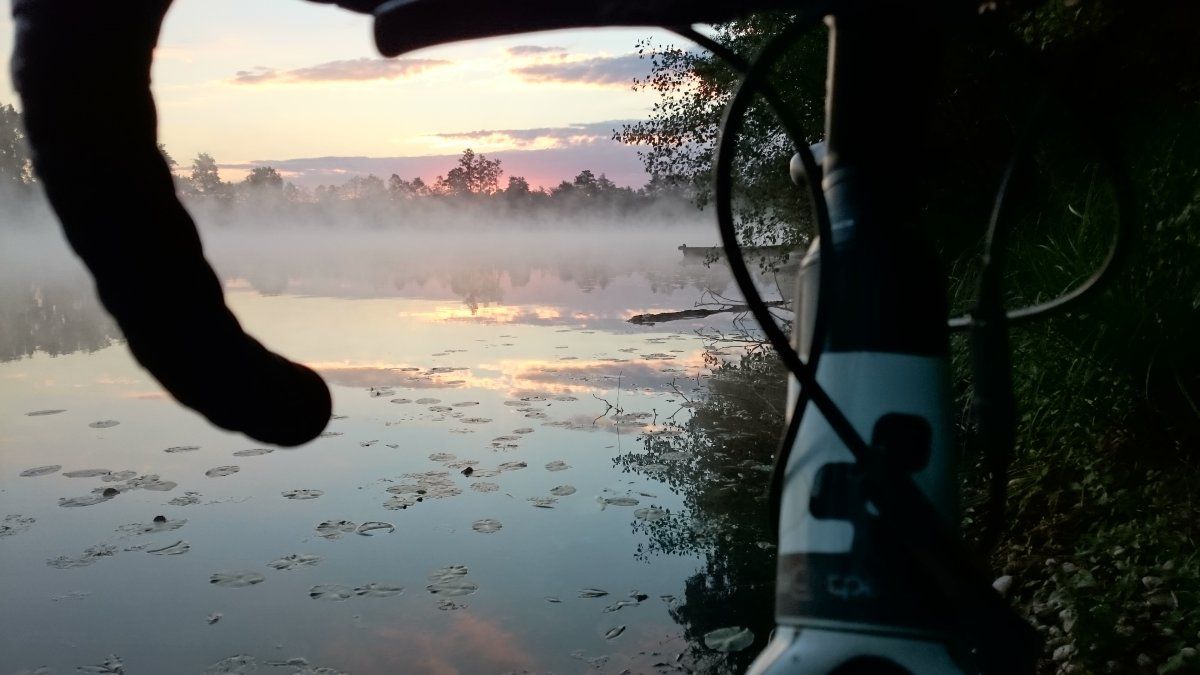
pixel 698 313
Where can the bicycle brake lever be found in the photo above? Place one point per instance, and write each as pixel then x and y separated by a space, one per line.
pixel 405 25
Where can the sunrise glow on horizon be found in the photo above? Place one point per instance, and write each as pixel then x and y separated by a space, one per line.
pixel 300 86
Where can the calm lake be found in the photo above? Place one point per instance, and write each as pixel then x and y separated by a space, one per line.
pixel 517 479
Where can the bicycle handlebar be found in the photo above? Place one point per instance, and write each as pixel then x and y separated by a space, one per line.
pixel 405 25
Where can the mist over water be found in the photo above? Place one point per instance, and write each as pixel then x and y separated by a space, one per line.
pixel 490 496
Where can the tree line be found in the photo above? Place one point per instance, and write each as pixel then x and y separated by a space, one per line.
pixel 474 181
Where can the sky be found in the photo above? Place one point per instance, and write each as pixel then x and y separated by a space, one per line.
pixel 299 85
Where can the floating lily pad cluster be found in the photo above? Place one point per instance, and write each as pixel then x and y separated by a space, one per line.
pixel 294 561
pixel 90 555
pixel 15 524
pixel 450 581
pixel 338 592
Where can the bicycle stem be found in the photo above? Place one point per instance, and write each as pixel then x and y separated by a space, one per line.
pixel 847 599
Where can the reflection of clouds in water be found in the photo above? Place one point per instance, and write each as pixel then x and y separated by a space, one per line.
pixel 469 644
pixel 524 377
pixel 385 376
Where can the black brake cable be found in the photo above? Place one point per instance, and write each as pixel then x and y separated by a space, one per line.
pixel 820 213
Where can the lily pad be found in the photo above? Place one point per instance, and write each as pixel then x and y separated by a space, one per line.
pixel 562 490
pixel 618 605
pixel 178 548
pixel 115 476
pixel 90 555
pixel 238 664
pixel 174 449
pixel 399 502
pixel 485 486
pixel 400 401
pixel 543 502
pixel 331 592
pixel 428 401
pixel 512 466
pixel 41 470
pixel 377 590
pixel 453 588
pixel 235 579
pixel 43 413
pixel 431 485
pixel 650 514
pixel 449 572
pixel 523 430
pixel 186 499
pixel 334 529
pixel 731 639
pixel 487 525
pixel 557 465
pixel 617 501
pixel 302 493
pixel 15 524
pixel 368 528
pixel 88 500
pixel 443 457
pixel 86 473
pixel 150 482
pixel 111 666
pixel 465 404
pixel 592 593
pixel 221 471
pixel 103 424
pixel 614 632
pixel 294 560
pixel 475 420
pixel 253 452
pixel 159 524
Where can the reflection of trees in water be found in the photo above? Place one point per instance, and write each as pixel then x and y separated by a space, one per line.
pixel 477 286
pixel 476 279
pixel 720 464
pixel 57 317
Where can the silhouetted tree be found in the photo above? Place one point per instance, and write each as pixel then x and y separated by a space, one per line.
pixel 364 187
pixel 401 189
pixel 474 175
pixel 263 177
pixel 206 179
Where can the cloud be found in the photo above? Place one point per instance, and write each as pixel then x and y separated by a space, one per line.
pixel 601 70
pixel 350 70
pixel 572 134
pixel 533 50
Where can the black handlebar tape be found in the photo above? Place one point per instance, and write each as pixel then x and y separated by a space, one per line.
pixel 405 25
pixel 83 72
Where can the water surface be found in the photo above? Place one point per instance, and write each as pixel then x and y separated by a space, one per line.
pixel 517 479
